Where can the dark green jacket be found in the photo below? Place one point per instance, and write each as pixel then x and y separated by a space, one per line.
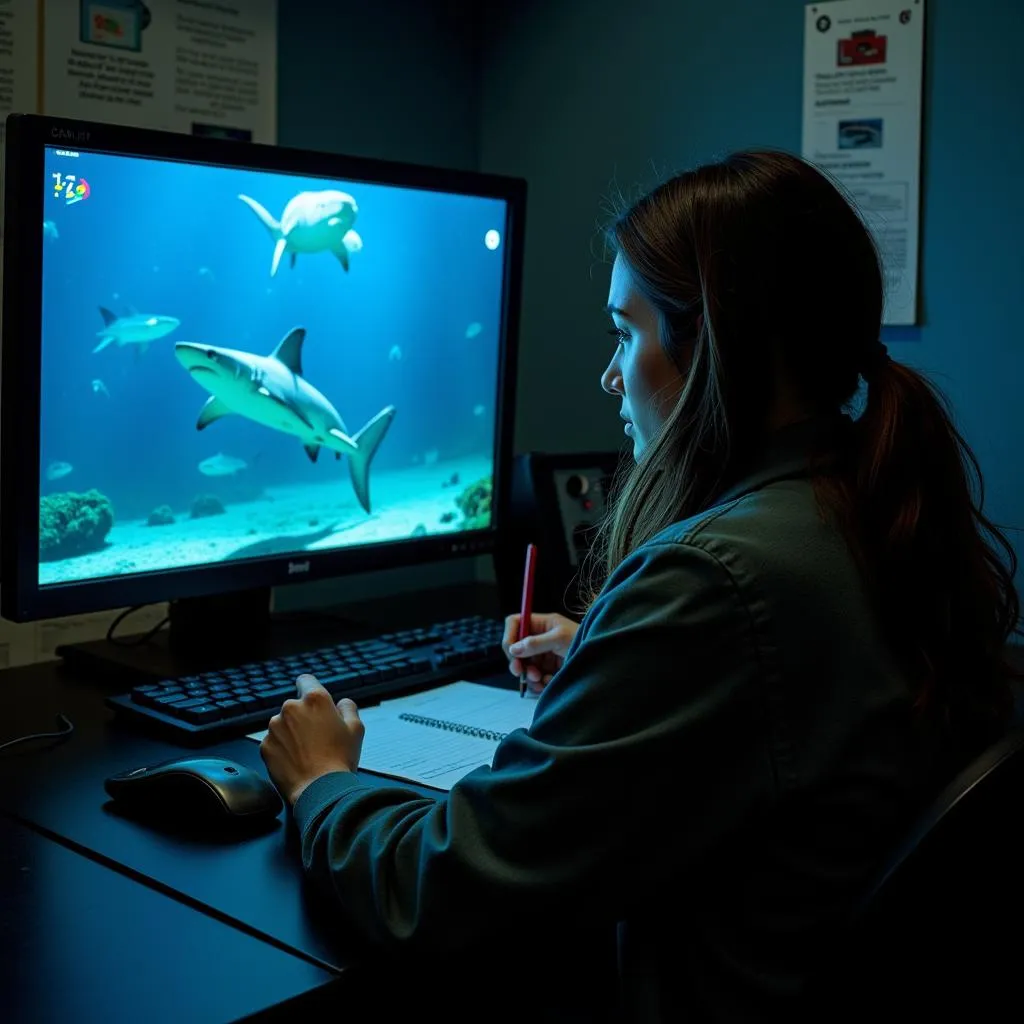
pixel 725 753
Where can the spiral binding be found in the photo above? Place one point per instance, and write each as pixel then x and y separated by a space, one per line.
pixel 466 730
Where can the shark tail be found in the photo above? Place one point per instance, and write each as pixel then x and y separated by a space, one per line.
pixel 361 450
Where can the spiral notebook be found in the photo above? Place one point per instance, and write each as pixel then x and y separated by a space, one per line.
pixel 438 736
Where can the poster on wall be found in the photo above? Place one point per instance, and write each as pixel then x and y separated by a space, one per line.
pixel 863 73
pixel 206 67
pixel 19 69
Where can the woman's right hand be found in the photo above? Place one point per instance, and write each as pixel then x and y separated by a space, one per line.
pixel 539 655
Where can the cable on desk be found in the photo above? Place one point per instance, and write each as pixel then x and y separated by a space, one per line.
pixel 66 730
pixel 138 641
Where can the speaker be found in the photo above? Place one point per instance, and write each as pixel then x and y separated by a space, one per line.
pixel 556 502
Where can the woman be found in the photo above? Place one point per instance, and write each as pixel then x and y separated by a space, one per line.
pixel 799 637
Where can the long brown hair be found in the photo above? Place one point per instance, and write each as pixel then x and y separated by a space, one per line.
pixel 788 282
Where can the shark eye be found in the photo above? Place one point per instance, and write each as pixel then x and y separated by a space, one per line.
pixel 210 354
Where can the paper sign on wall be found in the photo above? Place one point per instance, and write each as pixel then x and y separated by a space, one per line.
pixel 863 68
pixel 206 67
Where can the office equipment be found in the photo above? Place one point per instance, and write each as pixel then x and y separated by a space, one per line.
pixel 202 789
pixel 557 502
pixel 192 323
pixel 526 607
pixel 207 706
pixel 436 737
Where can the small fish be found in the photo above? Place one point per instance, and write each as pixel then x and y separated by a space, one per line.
pixel 474 329
pixel 222 465
pixel 50 230
pixel 99 388
pixel 57 470
pixel 134 329
pixel 395 355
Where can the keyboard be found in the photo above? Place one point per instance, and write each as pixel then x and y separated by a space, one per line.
pixel 209 706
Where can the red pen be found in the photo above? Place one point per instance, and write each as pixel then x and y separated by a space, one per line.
pixel 526 608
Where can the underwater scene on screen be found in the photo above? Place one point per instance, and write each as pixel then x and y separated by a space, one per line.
pixel 240 364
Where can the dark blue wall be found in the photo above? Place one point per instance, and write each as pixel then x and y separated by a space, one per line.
pixel 582 95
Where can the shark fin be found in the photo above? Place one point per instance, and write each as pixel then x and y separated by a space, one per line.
pixel 289 350
pixel 278 253
pixel 312 450
pixel 367 442
pixel 108 317
pixel 213 410
pixel 342 255
pixel 266 218
pixel 104 342
pixel 141 349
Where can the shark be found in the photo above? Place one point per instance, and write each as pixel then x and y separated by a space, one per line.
pixel 272 391
pixel 136 329
pixel 312 222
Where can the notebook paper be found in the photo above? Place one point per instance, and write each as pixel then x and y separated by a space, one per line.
pixel 438 736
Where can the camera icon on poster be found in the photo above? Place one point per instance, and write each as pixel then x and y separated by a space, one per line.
pixel 861 48
pixel 115 23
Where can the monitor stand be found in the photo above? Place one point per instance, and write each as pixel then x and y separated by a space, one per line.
pixel 204 633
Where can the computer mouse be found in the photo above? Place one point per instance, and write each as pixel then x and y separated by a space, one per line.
pixel 197 788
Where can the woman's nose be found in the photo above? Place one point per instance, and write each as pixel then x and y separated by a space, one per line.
pixel 611 379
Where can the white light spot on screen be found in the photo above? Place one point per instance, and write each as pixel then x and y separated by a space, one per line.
pixel 492 239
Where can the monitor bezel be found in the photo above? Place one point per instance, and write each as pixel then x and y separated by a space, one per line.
pixel 28 136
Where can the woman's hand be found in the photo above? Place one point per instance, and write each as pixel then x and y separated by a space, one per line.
pixel 541 654
pixel 309 737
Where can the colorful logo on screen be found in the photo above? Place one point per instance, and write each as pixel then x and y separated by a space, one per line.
pixel 70 188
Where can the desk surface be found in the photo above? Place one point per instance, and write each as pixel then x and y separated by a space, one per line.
pixel 57 787
pixel 83 943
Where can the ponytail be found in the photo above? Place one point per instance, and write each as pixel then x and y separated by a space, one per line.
pixel 942 575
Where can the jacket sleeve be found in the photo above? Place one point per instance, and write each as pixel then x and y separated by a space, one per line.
pixel 648 746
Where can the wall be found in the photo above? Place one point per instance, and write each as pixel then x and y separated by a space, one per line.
pixel 580 96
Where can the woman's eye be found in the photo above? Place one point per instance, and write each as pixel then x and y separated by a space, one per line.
pixel 618 334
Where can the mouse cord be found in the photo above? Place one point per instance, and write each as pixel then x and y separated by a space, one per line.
pixel 66 730
pixel 139 640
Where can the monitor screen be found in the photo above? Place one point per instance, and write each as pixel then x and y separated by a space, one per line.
pixel 239 363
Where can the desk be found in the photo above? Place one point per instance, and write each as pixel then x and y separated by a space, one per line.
pixel 252 887
pixel 84 943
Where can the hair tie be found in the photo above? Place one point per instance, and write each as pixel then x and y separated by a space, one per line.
pixel 875 361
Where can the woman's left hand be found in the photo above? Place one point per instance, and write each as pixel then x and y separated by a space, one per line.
pixel 310 737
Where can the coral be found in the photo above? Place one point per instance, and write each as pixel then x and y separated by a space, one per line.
pixel 73 524
pixel 475 504
pixel 161 516
pixel 206 505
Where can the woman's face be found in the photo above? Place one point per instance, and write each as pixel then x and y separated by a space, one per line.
pixel 645 380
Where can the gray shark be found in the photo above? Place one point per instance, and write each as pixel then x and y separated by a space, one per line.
pixel 271 390
pixel 137 329
pixel 311 222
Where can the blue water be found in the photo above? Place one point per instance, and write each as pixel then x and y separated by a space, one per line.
pixel 171 239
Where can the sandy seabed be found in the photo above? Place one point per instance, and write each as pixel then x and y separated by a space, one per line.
pixel 290 519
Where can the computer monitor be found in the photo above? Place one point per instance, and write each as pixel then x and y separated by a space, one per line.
pixel 228 366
